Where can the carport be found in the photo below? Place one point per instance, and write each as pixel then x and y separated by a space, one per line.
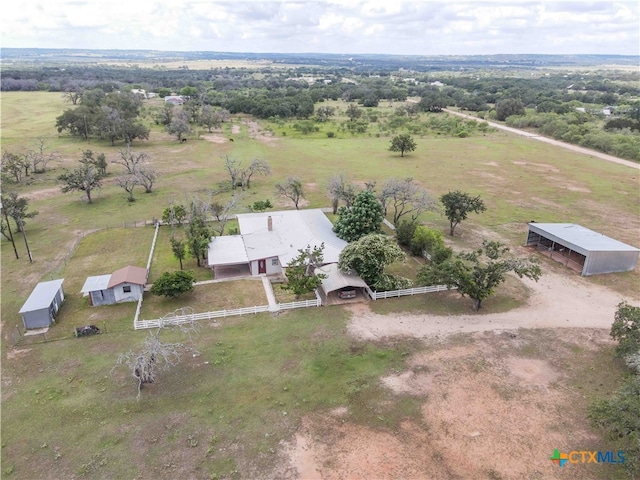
pixel 336 281
pixel 581 249
pixel 228 258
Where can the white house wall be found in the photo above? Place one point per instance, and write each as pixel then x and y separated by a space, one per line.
pixel 271 269
pixel 132 296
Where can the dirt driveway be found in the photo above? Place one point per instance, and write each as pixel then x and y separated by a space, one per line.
pixel 495 403
pixel 557 301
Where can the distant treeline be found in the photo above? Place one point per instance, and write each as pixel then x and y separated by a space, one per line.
pixel 598 109
pixel 361 62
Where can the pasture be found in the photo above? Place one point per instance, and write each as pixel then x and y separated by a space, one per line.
pixel 227 411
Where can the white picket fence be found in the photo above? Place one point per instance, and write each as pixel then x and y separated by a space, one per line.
pixel 180 319
pixel 407 291
pixel 301 304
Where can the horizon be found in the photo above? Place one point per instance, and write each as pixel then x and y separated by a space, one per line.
pixel 222 52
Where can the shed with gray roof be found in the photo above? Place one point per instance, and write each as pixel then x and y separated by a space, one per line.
pixel 42 306
pixel 582 249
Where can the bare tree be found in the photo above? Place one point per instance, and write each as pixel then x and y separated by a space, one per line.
pixel 241 176
pixel 147 177
pixel 291 189
pixel 406 198
pixel 260 167
pixel 128 182
pixel 223 212
pixel 73 93
pixel 233 168
pixel 131 160
pixel 157 356
pixel 39 158
pixel 339 189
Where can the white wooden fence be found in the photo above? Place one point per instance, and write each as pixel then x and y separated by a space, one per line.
pixel 407 291
pixel 179 319
pixel 301 304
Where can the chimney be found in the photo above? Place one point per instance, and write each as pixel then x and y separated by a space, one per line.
pixel 269 223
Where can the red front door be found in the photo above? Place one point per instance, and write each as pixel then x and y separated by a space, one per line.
pixel 262 266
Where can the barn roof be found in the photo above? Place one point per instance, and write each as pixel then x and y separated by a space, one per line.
pixel 93 284
pixel 42 295
pixel 579 238
pixel 337 279
pixel 128 274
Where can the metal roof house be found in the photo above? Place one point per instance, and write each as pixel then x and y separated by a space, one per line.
pixel 269 241
pixel 43 304
pixel 123 285
pixel 581 249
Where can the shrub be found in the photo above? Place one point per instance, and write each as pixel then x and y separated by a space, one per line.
pixel 173 284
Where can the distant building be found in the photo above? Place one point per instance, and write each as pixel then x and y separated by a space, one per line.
pixel 581 249
pixel 174 99
pixel 140 92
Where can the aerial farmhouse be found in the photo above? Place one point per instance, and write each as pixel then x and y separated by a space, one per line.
pixel 269 241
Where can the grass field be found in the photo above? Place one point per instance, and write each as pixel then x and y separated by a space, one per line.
pixel 223 413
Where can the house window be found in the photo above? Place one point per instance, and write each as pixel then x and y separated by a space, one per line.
pixel 126 289
pixel 274 261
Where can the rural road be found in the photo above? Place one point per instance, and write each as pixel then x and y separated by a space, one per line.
pixel 535 136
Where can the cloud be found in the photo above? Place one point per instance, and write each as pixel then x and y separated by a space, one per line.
pixel 339 26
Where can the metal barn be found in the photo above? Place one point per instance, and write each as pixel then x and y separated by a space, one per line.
pixel 43 304
pixel 581 249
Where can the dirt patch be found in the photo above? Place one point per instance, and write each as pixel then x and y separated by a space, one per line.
pixel 43 194
pixel 17 352
pixel 485 402
pixel 531 371
pixel 257 133
pixel 537 167
pixel 214 138
pixel 489 397
pixel 235 129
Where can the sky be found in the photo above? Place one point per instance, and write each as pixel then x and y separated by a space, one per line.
pixel 426 27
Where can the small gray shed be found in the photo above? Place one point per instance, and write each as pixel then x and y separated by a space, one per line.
pixel 584 250
pixel 43 304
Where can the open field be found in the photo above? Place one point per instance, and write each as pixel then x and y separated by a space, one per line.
pixel 296 394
